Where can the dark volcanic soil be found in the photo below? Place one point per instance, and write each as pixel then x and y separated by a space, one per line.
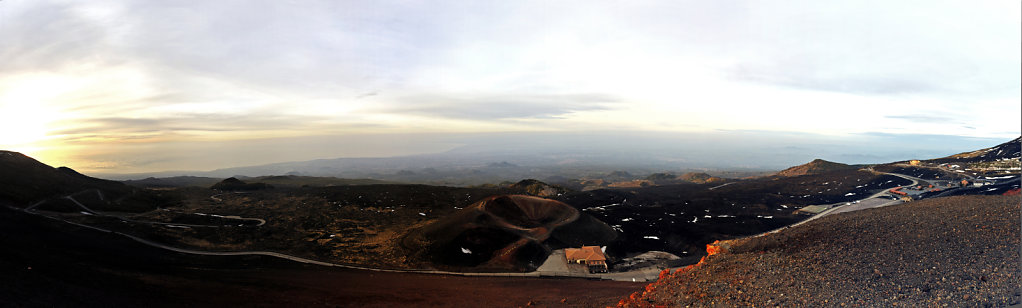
pixel 955 251
pixel 682 219
pixel 51 264
pixel 504 233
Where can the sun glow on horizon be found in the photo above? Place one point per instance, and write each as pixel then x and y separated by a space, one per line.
pixel 26 117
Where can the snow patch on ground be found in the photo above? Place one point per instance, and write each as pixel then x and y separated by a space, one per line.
pixel 1000 177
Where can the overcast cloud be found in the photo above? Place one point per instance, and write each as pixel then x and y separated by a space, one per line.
pixel 96 72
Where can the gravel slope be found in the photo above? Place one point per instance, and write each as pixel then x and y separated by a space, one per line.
pixel 957 251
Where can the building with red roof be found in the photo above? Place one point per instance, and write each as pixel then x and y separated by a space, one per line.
pixel 591 256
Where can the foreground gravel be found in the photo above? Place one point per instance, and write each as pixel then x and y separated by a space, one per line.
pixel 956 251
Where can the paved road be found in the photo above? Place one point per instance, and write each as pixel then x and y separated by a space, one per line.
pixel 971 178
pixel 915 180
pixel 556 262
pixel 865 204
pixel 259 222
pixel 875 200
pixel 721 185
pixel 87 209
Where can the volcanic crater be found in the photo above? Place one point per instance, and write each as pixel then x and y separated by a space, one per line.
pixel 505 232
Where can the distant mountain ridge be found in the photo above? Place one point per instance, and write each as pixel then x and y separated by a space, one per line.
pixel 275 180
pixel 512 158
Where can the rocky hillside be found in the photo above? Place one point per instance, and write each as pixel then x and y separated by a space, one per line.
pixel 683 218
pixel 538 188
pixel 1008 150
pixel 699 178
pixel 955 251
pixel 1002 160
pixel 816 166
pixel 691 177
pixel 25 181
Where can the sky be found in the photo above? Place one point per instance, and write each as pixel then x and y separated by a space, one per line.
pixel 135 85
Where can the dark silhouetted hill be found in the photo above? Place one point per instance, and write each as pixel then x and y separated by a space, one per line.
pixel 234 184
pixel 25 181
